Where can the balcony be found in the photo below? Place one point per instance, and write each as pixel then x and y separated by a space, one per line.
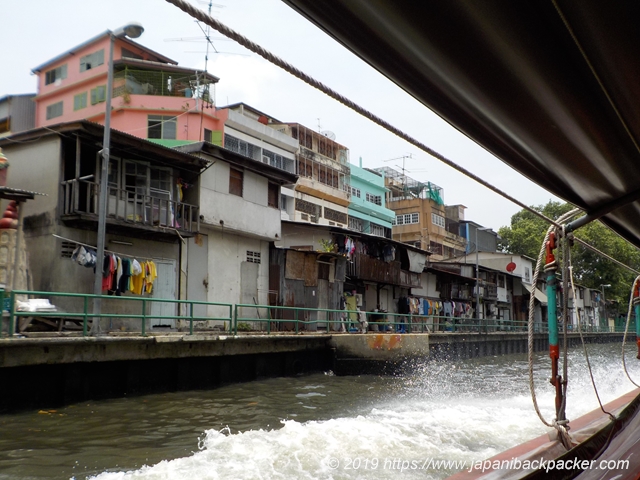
pixel 322 181
pixel 127 211
pixel 490 291
pixel 367 268
pixel 410 279
pixel 185 83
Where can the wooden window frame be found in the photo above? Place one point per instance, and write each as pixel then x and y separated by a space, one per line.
pixel 273 191
pixel 236 181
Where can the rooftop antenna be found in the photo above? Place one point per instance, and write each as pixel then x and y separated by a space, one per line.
pixel 403 158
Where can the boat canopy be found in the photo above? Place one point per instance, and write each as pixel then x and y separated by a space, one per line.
pixel 551 88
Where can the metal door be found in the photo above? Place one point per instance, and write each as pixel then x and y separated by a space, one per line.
pixel 164 287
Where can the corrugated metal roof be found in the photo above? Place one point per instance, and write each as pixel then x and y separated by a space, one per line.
pixel 9 193
pixel 551 88
pixel 117 137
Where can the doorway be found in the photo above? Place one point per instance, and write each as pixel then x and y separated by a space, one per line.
pixel 164 287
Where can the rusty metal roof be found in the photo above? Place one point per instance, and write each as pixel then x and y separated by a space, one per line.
pixel 551 88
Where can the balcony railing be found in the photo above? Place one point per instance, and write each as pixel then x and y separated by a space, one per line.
pixel 152 82
pixel 80 197
pixel 364 267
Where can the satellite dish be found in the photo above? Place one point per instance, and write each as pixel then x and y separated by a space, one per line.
pixel 511 267
pixel 330 135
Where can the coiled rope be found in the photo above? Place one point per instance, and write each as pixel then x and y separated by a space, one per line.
pixel 584 347
pixel 626 329
pixel 558 425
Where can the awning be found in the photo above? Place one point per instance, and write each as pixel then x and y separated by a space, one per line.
pixel 541 297
pixel 550 88
pixel 417 261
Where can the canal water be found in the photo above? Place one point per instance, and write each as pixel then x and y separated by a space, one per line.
pixel 309 427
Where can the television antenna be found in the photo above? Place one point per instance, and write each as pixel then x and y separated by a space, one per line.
pixel 207 36
pixel 403 158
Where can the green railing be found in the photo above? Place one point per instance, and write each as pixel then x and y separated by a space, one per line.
pixel 268 319
pixel 87 305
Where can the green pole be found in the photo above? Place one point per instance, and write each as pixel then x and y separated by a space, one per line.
pixel 235 320
pixel 84 318
pixel 144 317
pixel 12 307
pixel 268 320
pixel 191 319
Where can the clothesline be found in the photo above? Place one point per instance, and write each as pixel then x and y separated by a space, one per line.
pixel 129 255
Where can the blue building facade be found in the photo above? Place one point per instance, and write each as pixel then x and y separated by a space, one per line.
pixel 367 210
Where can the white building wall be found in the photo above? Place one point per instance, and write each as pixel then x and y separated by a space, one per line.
pixel 499 261
pixel 300 235
pixel 256 133
pixel 35 166
pixel 226 254
pixel 246 215
pixel 287 212
pixel 428 288
pixel 296 216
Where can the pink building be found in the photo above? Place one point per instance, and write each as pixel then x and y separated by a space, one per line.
pixel 153 97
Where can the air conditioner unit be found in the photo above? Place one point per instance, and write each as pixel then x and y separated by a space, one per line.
pixel 265 159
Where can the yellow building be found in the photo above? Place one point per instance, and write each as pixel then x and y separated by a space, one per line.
pixel 321 195
pixel 421 217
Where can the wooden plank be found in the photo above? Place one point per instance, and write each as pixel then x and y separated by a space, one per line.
pixel 294 267
pixel 310 270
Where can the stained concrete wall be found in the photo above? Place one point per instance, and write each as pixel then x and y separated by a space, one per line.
pixel 39 372
pixel 63 371
pixel 381 346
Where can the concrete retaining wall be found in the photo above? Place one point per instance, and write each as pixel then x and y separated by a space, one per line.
pixel 52 351
pixel 47 372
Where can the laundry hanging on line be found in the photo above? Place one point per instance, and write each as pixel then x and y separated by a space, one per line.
pixel 119 274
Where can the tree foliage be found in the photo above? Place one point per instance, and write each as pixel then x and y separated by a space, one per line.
pixel 525 234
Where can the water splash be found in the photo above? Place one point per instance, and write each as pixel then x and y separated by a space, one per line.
pixel 461 411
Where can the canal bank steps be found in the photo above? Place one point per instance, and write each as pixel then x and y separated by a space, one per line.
pixel 45 371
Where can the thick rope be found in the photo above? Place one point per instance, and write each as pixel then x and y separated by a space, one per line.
pixel 584 347
pixel 534 282
pixel 257 49
pixel 626 329
pixel 220 27
pixel 604 255
pixel 558 426
pixel 254 47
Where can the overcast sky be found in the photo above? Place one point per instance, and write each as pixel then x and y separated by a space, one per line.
pixel 35 31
